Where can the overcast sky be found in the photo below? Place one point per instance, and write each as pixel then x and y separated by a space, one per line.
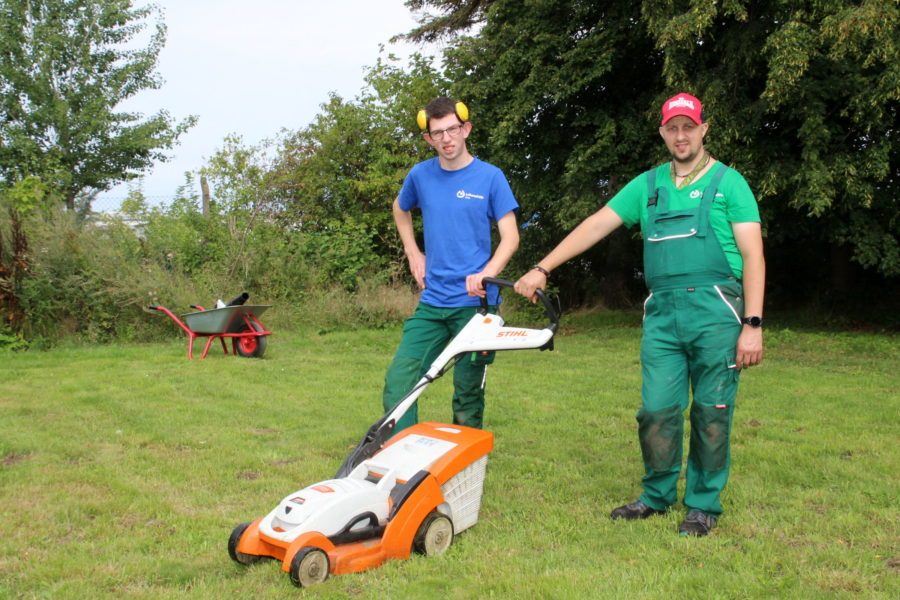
pixel 255 67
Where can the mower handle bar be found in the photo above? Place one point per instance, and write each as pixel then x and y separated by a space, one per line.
pixel 552 314
pixel 383 429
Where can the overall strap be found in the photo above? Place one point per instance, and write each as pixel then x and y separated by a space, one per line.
pixel 709 196
pixel 651 188
pixel 657 198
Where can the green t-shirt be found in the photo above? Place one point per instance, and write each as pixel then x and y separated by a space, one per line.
pixel 734 203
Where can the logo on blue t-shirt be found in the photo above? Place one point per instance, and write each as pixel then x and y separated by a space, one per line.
pixel 465 194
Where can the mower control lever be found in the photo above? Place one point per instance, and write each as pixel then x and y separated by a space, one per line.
pixel 551 311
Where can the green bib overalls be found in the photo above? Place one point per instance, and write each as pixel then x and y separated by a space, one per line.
pixel 692 319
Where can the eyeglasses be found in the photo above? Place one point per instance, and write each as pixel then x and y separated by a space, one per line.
pixel 438 134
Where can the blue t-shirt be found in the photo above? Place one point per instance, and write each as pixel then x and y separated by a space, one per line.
pixel 458 210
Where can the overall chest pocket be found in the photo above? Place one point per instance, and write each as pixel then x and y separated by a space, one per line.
pixel 674 246
pixel 674 225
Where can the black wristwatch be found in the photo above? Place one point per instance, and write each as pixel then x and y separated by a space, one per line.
pixel 752 321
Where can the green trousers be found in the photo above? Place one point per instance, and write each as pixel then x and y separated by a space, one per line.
pixel 688 345
pixel 425 334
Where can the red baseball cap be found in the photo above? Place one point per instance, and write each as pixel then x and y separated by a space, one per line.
pixel 682 104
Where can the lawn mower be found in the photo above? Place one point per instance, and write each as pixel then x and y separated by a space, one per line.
pixel 394 494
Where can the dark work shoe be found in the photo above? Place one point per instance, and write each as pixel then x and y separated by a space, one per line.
pixel 697 523
pixel 634 510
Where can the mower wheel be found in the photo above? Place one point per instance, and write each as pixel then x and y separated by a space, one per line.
pixel 235 554
pixel 434 536
pixel 309 566
pixel 251 346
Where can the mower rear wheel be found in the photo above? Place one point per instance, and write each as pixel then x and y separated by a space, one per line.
pixel 235 539
pixel 434 536
pixel 309 566
pixel 250 346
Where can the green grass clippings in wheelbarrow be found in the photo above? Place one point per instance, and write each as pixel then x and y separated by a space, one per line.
pixel 239 322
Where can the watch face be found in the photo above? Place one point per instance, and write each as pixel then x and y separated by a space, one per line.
pixel 753 321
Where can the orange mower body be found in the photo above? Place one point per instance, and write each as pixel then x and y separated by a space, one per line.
pixel 423 487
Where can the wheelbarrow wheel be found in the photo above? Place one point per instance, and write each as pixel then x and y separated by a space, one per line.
pixel 250 346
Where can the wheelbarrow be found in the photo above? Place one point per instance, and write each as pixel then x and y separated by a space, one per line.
pixel 239 322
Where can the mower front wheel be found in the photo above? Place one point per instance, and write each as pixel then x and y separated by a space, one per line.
pixel 250 346
pixel 309 566
pixel 434 536
pixel 235 539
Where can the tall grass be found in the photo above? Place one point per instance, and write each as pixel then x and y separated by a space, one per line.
pixel 91 280
pixel 125 468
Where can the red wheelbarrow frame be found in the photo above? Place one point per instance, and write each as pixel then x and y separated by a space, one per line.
pixel 246 339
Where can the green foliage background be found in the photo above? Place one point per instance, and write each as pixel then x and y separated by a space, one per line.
pixel 65 66
pixel 802 98
pixel 564 95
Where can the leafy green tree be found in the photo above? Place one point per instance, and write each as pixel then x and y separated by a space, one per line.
pixel 339 175
pixel 453 17
pixel 65 66
pixel 563 108
pixel 802 97
pixel 237 173
pixel 804 100
pixel 21 201
pixel 240 201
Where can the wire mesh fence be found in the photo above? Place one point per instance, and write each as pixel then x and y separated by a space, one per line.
pixel 110 204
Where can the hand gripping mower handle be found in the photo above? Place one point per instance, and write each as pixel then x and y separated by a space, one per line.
pixel 551 311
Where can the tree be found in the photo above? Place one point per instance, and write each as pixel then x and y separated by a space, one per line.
pixel 65 66
pixel 560 104
pixel 802 97
pixel 455 16
pixel 23 199
pixel 238 174
pixel 339 175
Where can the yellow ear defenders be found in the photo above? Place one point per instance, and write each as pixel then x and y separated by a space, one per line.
pixel 462 112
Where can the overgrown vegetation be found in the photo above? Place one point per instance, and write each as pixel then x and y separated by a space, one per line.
pixel 92 281
pixel 304 223
pixel 802 98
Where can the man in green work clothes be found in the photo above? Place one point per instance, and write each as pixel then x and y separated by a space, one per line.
pixel 704 267
pixel 461 198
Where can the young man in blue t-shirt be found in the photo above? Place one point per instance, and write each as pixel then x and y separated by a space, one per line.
pixel 460 197
pixel 705 270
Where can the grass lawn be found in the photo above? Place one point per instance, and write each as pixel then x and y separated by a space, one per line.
pixel 123 470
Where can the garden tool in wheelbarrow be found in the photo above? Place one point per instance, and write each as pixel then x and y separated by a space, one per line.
pixel 395 493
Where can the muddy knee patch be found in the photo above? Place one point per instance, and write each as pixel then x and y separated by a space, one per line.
pixel 710 428
pixel 660 434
